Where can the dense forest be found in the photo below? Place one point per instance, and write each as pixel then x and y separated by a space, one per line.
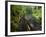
pixel 25 18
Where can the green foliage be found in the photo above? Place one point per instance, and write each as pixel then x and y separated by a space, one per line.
pixel 37 13
pixel 17 11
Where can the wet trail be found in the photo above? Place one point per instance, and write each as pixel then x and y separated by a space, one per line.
pixel 28 25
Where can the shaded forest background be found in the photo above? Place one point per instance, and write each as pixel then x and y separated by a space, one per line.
pixel 25 18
